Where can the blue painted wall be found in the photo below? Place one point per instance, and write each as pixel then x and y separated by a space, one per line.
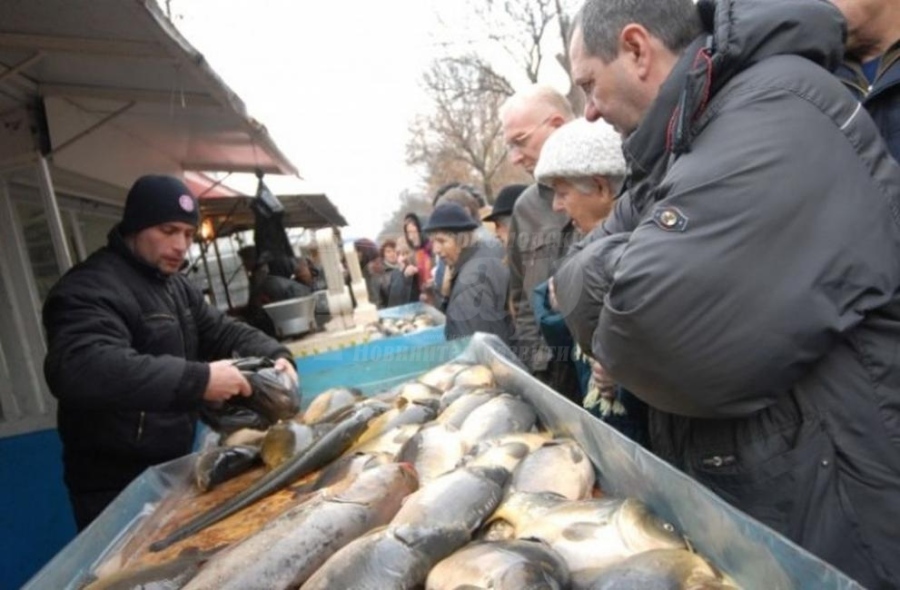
pixel 35 518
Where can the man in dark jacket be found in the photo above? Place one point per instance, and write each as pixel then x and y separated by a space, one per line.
pixel 132 349
pixel 478 286
pixel 538 235
pixel 871 69
pixel 746 285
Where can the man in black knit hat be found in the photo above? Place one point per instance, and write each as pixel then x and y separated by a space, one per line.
pixel 133 349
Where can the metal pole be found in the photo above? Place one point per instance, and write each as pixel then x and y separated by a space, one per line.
pixel 54 220
pixel 222 272
pixel 212 292
pixel 77 236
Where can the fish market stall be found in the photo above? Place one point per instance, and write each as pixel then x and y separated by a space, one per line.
pixel 750 554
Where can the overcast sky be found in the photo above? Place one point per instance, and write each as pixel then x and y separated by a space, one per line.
pixel 335 83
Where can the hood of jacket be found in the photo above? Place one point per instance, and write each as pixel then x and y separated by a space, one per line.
pixel 738 34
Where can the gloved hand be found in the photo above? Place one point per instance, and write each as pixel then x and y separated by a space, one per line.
pixel 273 397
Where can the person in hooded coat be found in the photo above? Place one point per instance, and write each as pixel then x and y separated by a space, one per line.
pixel 747 283
pixel 422 253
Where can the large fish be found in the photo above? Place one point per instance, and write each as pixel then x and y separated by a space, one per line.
pixel 454 393
pixel 559 466
pixel 518 511
pixel 291 548
pixel 441 377
pixel 504 565
pixel 434 450
pixel 330 400
pixel 457 412
pixel 394 557
pixel 286 439
pixel 462 498
pixel 390 442
pixel 593 534
pixel 338 474
pixel 418 393
pixel 327 448
pixel 662 569
pixel 405 413
pixel 508 456
pixel 533 440
pixel 479 375
pixel 219 464
pixel 503 414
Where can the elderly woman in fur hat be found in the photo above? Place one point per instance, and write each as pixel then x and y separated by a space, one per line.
pixel 583 163
pixel 479 280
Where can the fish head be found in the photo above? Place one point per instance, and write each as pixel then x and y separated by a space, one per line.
pixel 479 375
pixel 641 530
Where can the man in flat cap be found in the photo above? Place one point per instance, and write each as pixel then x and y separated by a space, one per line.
pixel 134 349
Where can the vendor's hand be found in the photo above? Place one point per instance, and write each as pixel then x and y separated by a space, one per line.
pixel 286 366
pixel 551 291
pixel 410 270
pixel 225 381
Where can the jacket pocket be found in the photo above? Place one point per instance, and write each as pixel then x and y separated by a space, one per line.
pixel 160 334
pixel 789 488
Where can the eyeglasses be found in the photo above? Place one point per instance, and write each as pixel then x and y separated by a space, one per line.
pixel 521 140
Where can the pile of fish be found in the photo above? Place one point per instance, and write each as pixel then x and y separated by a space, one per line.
pixel 396 326
pixel 446 482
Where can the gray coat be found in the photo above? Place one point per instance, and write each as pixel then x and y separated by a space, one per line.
pixel 536 241
pixel 747 286
pixel 477 300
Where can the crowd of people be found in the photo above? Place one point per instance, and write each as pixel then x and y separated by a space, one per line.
pixel 707 258
pixel 706 261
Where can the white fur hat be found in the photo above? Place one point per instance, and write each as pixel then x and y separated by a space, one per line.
pixel 580 149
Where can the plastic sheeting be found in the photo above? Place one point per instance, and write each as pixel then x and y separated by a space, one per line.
pixel 754 555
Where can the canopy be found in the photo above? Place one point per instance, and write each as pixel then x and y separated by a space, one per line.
pixel 233 214
pixel 117 80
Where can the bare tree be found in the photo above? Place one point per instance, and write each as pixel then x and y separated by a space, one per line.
pixel 461 140
pixel 532 33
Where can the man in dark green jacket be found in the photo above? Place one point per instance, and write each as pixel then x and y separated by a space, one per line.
pixel 133 348
pixel 747 284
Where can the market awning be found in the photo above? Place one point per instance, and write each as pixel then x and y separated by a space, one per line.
pixel 233 214
pixel 123 92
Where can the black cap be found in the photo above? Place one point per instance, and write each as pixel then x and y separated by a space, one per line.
pixel 507 197
pixel 450 217
pixel 153 200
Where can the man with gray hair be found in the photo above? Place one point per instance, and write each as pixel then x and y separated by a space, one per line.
pixel 746 285
pixel 538 235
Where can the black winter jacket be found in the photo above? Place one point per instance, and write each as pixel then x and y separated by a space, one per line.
pixel 477 300
pixel 127 353
pixel 748 284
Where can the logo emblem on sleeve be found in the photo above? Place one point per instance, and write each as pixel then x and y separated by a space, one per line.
pixel 670 219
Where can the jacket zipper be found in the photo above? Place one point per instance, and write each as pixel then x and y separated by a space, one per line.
pixel 140 429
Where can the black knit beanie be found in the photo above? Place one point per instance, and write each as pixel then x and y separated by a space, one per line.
pixel 153 200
